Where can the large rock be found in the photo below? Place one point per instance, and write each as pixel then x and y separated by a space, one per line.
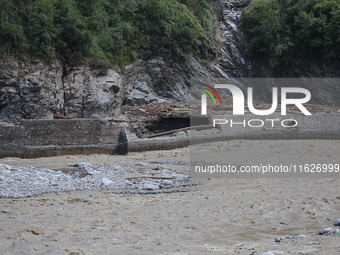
pixel 30 90
pixel 37 90
pixel 230 62
pixel 157 80
pixel 89 92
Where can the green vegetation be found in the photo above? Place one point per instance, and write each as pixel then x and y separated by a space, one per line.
pixel 117 31
pixel 292 32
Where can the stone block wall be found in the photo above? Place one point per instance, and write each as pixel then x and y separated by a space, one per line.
pixel 35 138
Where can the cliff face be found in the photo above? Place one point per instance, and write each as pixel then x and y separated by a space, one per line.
pixel 37 90
pixel 231 63
pixel 30 90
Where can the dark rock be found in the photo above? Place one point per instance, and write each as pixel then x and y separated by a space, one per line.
pixel 337 223
pixel 122 148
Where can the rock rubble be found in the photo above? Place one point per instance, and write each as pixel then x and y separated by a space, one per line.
pixel 18 182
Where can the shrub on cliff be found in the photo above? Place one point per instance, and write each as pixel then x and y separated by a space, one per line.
pixel 113 30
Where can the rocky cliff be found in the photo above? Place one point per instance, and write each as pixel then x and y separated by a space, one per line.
pixel 36 90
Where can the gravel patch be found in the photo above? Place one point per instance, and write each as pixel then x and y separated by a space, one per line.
pixel 18 182
pixel 172 162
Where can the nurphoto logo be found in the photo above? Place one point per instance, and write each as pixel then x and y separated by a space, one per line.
pixel 239 104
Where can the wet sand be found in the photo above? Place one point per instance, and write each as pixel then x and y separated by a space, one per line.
pixel 219 216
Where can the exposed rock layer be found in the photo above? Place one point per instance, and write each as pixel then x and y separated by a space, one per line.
pixel 37 90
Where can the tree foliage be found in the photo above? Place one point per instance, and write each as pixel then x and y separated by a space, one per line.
pixel 114 30
pixel 285 32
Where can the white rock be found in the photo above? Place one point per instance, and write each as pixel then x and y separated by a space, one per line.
pixel 7 167
pixel 167 182
pixel 107 182
pixel 329 230
pixel 273 253
pixel 178 134
pixel 150 186
pixel 299 237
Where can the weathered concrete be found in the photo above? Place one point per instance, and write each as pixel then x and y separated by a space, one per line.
pixel 323 126
pixel 39 138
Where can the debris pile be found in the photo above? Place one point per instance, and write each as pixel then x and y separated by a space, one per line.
pixel 17 182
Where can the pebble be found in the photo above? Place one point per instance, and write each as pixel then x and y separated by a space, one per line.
pixel 183 163
pixel 107 181
pixel 151 186
pixel 181 133
pixel 167 182
pixel 82 165
pixel 273 253
pixel 337 223
pixel 299 237
pixel 141 164
pixel 328 231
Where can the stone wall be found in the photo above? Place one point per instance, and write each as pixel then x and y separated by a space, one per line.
pixel 38 138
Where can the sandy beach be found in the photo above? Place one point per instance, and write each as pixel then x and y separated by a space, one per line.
pixel 218 216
